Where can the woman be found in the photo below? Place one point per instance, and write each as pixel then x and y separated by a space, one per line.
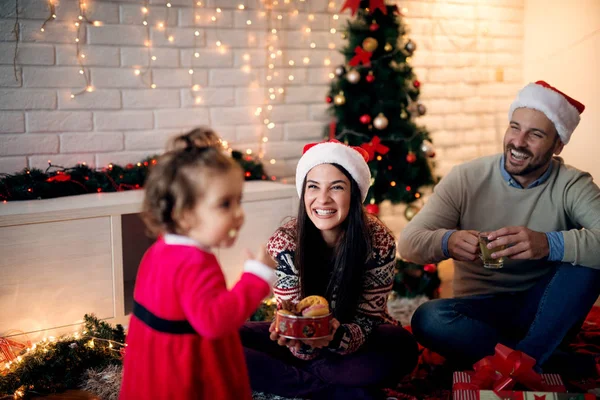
pixel 336 250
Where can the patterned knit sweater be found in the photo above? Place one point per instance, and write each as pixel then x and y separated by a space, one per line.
pixel 377 284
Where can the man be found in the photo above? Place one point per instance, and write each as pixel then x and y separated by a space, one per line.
pixel 546 213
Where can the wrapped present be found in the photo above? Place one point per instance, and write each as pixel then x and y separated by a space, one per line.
pixel 494 377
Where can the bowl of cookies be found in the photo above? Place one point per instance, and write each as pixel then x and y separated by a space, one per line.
pixel 307 320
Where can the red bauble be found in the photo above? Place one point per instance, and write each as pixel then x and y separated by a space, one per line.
pixel 329 99
pixel 416 84
pixel 373 27
pixel 370 78
pixel 411 157
pixel 365 119
pixel 129 166
pixel 372 209
pixel 430 268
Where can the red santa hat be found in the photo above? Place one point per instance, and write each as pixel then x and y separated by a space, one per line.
pixel 559 108
pixel 353 159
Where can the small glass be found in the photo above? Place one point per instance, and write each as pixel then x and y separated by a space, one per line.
pixel 486 254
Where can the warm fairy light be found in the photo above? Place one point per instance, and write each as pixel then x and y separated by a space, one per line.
pixel 280 17
pixel 265 139
pixel 311 17
pixel 80 18
pixel 72 96
pixel 273 30
pixel 153 58
pixel 248 151
pixel 54 16
pixel 196 54
pixel 191 71
pixel 246 57
pixel 269 107
pixel 153 86
pixel 280 90
pixel 291 62
pixel 392 183
pixel 272 97
pixel 77 40
pixel 332 30
pixel 195 88
pixel 145 23
pixel 404 10
pixel 161 25
pixel 306 60
pixel 246 69
pixel 271 66
pixel 336 17
pixel 327 61
pixel 269 77
pixel 147 43
pixel 171 38
pixel 331 46
pixel 169 5
pixel 137 72
pixel 307 30
pixel 218 10
pixel 271 125
pixel 218 43
pixel 241 7
pixel 313 45
pixel 197 33
pixel 266 121
pixel 272 161
pixel 98 23
pixel 82 55
pixel 417 195
pixel 76 23
pixel 213 18
pixel 89 89
pixel 42 29
pixel 379 158
pixel 144 10
pixel 248 22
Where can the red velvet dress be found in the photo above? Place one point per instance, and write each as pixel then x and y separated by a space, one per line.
pixel 185 283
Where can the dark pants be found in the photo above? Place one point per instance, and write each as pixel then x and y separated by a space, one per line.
pixel 534 321
pixel 389 354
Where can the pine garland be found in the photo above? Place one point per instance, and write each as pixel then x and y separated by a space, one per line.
pixel 55 366
pixel 412 280
pixel 56 181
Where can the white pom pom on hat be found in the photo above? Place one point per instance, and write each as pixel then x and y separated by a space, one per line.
pixel 562 110
pixel 353 159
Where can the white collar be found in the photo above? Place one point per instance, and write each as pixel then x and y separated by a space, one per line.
pixel 180 240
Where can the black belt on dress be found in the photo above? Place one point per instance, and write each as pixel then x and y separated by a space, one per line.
pixel 161 324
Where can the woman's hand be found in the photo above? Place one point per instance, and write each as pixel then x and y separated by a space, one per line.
pixel 274 336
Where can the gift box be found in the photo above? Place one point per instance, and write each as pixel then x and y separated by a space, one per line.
pixel 494 377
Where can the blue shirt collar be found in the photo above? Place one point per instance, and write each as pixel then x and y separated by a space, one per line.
pixel 512 182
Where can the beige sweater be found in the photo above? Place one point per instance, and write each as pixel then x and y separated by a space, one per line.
pixel 475 196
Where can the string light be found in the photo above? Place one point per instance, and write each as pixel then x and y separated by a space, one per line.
pixel 147 74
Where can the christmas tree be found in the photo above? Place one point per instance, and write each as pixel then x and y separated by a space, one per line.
pixel 374 99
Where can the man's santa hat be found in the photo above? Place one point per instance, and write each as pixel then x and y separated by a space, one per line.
pixel 353 159
pixel 559 108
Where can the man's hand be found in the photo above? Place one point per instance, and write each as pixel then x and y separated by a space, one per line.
pixel 522 243
pixel 464 245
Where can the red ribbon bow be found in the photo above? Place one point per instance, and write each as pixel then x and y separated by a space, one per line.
pixel 360 150
pixel 375 146
pixel 503 370
pixel 361 57
pixel 353 5
pixel 59 178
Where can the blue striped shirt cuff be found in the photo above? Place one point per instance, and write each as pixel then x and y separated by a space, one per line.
pixel 556 242
pixel 445 239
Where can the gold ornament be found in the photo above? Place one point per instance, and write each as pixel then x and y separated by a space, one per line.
pixel 353 76
pixel 370 44
pixel 403 114
pixel 387 47
pixel 339 99
pixel 411 211
pixel 380 122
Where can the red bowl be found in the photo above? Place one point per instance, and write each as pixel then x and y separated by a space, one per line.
pixel 305 328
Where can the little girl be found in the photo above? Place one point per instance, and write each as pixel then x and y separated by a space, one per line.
pixel 183 340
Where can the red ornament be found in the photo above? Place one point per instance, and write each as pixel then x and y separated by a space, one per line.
pixel 361 57
pixel 372 209
pixel 59 178
pixel 430 268
pixel 129 166
pixel 373 27
pixel 374 146
pixel 411 157
pixel 328 99
pixel 365 119
pixel 370 77
pixel 416 84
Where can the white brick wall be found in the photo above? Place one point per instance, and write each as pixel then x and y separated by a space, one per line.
pixel 468 60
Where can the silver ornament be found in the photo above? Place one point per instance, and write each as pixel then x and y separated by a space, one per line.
pixel 380 122
pixel 339 71
pixel 353 76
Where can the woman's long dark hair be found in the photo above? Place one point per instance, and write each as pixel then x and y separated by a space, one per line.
pixel 336 272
